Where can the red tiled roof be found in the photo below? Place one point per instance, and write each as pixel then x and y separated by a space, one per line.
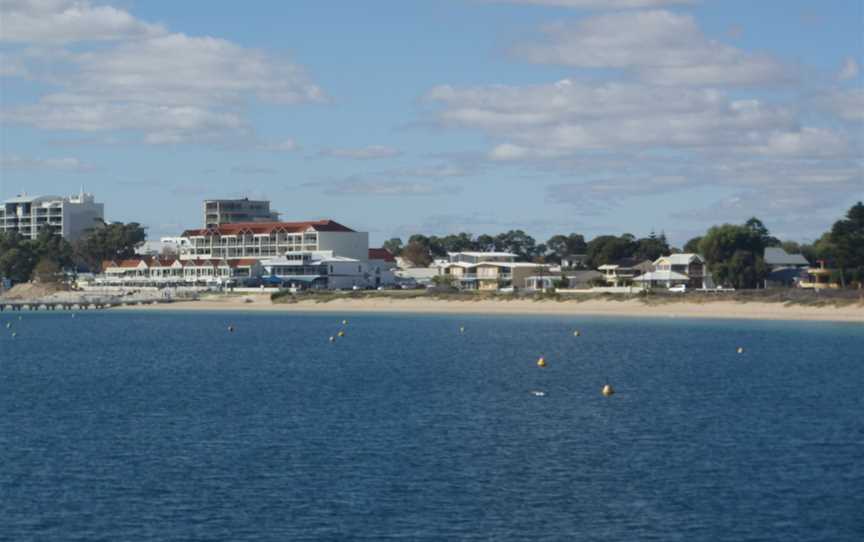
pixel 268 228
pixel 243 262
pixel 381 254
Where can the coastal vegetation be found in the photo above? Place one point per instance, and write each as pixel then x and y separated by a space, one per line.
pixel 46 257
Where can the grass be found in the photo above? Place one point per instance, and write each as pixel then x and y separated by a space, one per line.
pixel 828 298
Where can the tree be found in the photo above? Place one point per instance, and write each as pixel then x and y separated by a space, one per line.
pixel 115 241
pixel 517 242
pixel 692 245
pixel 734 253
pixel 417 254
pixel 650 248
pixel 561 246
pixel 16 264
pixel 47 271
pixel 606 249
pixel 394 246
pixel 486 243
pixel 847 238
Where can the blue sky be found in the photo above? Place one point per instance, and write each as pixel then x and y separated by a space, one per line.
pixel 397 117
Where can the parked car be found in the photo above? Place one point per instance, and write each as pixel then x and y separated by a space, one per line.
pixel 678 288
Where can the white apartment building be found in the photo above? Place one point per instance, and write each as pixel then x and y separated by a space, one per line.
pixel 70 216
pixel 262 240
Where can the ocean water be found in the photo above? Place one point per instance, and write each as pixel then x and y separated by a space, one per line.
pixel 165 426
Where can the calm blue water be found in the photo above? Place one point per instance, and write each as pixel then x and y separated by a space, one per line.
pixel 157 426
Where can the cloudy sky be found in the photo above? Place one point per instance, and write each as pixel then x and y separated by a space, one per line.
pixel 438 116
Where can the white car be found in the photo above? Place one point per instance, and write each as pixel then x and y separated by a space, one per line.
pixel 679 288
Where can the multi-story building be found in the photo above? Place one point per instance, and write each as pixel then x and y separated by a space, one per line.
pixel 69 216
pixel 261 240
pixel 489 270
pixel 624 271
pixel 230 211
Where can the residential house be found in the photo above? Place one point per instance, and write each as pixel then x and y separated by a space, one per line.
pixel 490 270
pixel 784 270
pixel 688 269
pixel 623 271
pixel 382 266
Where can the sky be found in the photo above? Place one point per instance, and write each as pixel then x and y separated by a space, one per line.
pixel 440 116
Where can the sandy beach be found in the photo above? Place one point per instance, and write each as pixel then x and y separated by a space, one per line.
pixel 630 307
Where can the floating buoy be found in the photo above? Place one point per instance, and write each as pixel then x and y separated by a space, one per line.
pixel 740 349
pixel 14 334
pixel 344 322
pixel 332 339
pixel 608 390
pixel 576 333
pixel 538 393
pixel 461 329
pixel 231 329
pixel 8 325
pixel 73 315
pixel 341 334
pixel 541 362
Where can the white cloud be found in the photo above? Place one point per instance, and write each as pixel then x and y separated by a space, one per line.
pixel 599 4
pixel 568 116
pixel 850 69
pixel 359 186
pixel 172 87
pixel 845 104
pixel 371 152
pixel 286 145
pixel 660 47
pixel 65 21
pixel 19 163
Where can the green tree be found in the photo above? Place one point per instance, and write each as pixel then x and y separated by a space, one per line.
pixel 394 246
pixel 692 245
pixel 518 242
pixel 47 271
pixel 847 238
pixel 114 241
pixel 606 249
pixel 734 253
pixel 16 264
pixel 561 246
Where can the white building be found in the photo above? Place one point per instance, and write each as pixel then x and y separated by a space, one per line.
pixel 490 270
pixel 317 270
pixel 262 240
pixel 70 216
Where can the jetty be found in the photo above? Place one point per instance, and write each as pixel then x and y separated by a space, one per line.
pixel 90 304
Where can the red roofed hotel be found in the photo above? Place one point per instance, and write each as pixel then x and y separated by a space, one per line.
pixel 261 240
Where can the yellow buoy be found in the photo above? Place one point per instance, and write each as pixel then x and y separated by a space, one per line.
pixel 740 349
pixel 608 390
pixel 576 333
pixel 541 362
pixel 341 334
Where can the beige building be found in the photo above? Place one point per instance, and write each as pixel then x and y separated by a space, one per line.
pixel 490 271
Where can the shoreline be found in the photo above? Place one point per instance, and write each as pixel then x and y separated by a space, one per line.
pixel 753 310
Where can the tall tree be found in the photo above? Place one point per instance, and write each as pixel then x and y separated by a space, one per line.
pixel 417 254
pixel 605 249
pixel 847 238
pixel 114 241
pixel 734 253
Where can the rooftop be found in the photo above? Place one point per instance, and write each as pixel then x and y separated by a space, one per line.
pixel 236 228
pixel 778 256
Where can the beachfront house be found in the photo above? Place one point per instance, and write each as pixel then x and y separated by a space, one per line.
pixel 784 270
pixel 623 271
pixel 674 270
pixel 490 271
pixel 316 270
